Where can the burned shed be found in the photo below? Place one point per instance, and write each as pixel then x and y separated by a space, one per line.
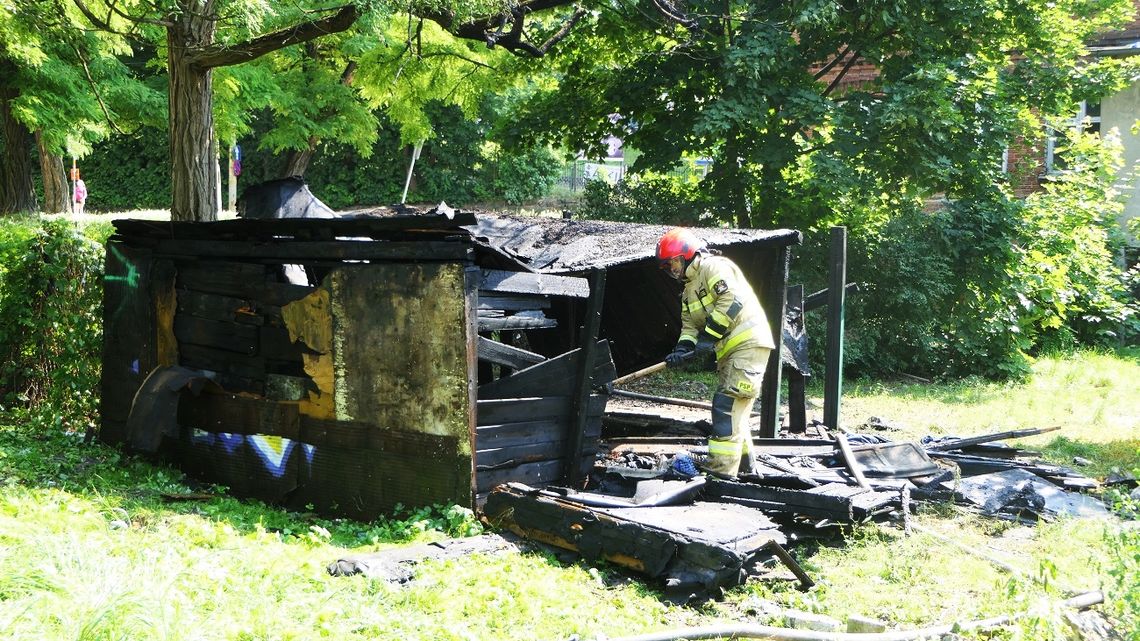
pixel 375 378
pixel 641 308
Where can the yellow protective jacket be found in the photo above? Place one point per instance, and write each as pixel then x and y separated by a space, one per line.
pixel 719 301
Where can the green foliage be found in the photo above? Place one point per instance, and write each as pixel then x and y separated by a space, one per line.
pixel 736 83
pixel 1070 287
pixel 50 323
pixel 518 176
pixel 1122 565
pixel 646 198
pixel 129 172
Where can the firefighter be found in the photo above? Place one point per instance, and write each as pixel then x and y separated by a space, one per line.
pixel 720 316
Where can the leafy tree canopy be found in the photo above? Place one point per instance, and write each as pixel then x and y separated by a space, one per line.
pixel 762 88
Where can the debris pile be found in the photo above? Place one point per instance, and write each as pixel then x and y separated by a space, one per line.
pixel 699 534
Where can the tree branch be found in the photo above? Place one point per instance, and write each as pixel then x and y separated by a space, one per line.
pixel 95 89
pixel 104 24
pixel 224 56
pixel 491 29
pixel 842 72
pixel 834 61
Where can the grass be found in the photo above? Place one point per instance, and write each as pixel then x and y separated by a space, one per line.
pixel 1093 396
pixel 91 549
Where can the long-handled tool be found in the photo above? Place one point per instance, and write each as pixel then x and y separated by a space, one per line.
pixel 641 373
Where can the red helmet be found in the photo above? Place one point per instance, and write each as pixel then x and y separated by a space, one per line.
pixel 678 242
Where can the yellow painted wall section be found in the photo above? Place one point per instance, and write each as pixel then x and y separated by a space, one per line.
pixel 309 321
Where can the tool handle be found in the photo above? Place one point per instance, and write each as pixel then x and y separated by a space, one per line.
pixel 652 369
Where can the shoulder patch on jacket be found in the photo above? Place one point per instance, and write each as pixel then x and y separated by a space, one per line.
pixel 720 287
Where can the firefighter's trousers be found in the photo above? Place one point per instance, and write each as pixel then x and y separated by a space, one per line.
pixel 739 376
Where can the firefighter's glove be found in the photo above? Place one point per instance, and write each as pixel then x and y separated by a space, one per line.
pixel 706 346
pixel 680 355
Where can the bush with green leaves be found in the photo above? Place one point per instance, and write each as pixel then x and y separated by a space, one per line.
pixel 646 198
pixel 51 297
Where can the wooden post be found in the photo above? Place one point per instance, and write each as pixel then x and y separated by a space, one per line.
pixel 837 287
pixel 770 387
pixel 581 409
pixel 797 392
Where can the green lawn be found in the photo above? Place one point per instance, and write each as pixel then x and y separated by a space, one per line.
pixel 91 550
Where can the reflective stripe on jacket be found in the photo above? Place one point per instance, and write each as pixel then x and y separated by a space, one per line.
pixel 718 300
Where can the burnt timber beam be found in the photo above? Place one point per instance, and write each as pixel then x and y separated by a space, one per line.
pixel 524 283
pixel 797 387
pixel 770 386
pixel 301 250
pixel 833 373
pixel 583 387
pixel 509 323
pixel 819 299
pixel 508 355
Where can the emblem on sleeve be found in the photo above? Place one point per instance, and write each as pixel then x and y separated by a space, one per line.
pixel 720 287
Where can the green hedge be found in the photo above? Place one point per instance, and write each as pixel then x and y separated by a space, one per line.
pixel 51 299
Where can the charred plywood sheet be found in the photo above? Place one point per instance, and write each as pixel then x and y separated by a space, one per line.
pixel 702 546
pixel 401 348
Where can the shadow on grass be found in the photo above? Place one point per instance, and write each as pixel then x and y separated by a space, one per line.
pixel 118 481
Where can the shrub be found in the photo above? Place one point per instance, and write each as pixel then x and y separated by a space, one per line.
pixel 648 198
pixel 50 323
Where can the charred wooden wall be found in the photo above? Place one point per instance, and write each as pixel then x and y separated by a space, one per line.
pixel 351 394
pixel 333 363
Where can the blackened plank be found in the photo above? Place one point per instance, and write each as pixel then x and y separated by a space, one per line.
pixel 512 434
pixel 510 323
pixel 217 360
pixel 298 250
pixel 514 410
pixel 233 414
pixel 553 377
pixel 512 303
pixel 508 355
pixel 344 226
pixel 525 283
pixel 585 379
pixel 274 343
pixel 538 474
pixel 221 308
pixel 513 456
pixel 232 337
pixel 242 280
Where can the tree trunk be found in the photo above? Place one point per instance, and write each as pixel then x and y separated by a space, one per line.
pixel 17 192
pixel 297 162
pixel 193 150
pixel 57 194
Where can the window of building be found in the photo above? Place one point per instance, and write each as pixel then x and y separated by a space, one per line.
pixel 1088 118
